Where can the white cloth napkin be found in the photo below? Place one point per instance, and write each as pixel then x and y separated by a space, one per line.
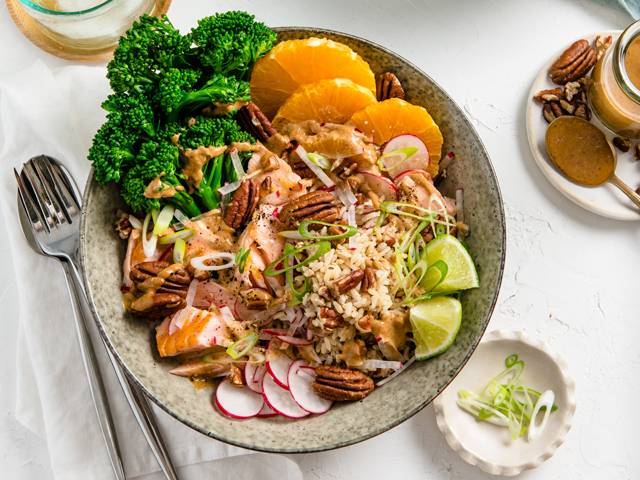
pixel 57 113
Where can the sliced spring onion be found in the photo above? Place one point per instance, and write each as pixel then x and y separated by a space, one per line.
pixel 179 247
pixel 241 258
pixel 291 235
pixel 351 220
pixel 237 163
pixel 399 155
pixel 227 314
pixel 324 178
pixel 148 243
pixel 407 364
pixel 303 230
pixel 229 188
pixel 504 401
pixel 183 234
pixel 181 217
pixel 319 160
pixel 346 196
pixel 243 346
pixel 191 292
pixel 162 222
pixel 199 262
pixel 318 250
pixel 297 294
pixel 135 222
pixel 374 364
pixel 154 214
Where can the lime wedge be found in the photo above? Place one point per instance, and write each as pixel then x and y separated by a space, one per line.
pixel 461 272
pixel 435 324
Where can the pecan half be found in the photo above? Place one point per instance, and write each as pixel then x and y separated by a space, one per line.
pixel 330 318
pixel 622 144
pixel 256 298
pixel 318 205
pixel 236 375
pixel 157 305
pixel 254 121
pixel 242 204
pixel 341 384
pixel 348 282
pixel 575 62
pixel 388 86
pixel 369 279
pixel 176 282
pixel 636 152
pixel 122 225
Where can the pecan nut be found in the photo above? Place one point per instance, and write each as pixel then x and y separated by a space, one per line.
pixel 318 205
pixel 330 318
pixel 348 282
pixel 243 203
pixel 256 298
pixel 388 86
pixel 122 225
pixel 369 279
pixel 341 384
pixel 622 144
pixel 636 152
pixel 157 305
pixel 254 121
pixel 160 277
pixel 571 99
pixel 574 63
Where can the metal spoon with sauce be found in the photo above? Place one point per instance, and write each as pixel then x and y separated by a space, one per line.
pixel 581 152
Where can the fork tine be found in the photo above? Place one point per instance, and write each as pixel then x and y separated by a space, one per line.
pixel 34 213
pixel 43 166
pixel 50 198
pixel 34 186
pixel 62 179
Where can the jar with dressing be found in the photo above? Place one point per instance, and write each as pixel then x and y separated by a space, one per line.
pixel 614 93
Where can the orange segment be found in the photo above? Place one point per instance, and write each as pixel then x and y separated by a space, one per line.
pixel 393 117
pixel 329 101
pixel 297 62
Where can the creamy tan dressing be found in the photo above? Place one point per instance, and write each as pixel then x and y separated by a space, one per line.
pixel 157 189
pixel 197 158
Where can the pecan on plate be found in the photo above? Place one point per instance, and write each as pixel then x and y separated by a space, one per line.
pixel 242 204
pixel 636 152
pixel 348 282
pixel 341 384
pixel 574 63
pixel 318 205
pixel 254 121
pixel 622 144
pixel 369 279
pixel 330 318
pixel 166 280
pixel 122 225
pixel 388 86
pixel 571 99
pixel 157 305
pixel 256 298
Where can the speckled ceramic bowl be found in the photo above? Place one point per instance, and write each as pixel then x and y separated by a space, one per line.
pixel 130 339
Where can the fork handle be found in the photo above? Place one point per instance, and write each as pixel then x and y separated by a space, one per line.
pixel 135 396
pixel 96 386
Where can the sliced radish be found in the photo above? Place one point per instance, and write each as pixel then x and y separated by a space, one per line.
pixel 293 340
pixel 278 364
pixel 237 401
pixel 404 152
pixel 280 400
pixel 381 186
pixel 253 374
pixel 267 412
pixel 410 172
pixel 301 376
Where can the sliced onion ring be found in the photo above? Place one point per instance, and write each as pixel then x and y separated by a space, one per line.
pixel 148 244
pixel 324 178
pixel 229 188
pixel 173 236
pixel 198 262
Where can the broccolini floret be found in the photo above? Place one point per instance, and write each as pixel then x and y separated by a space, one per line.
pixel 230 43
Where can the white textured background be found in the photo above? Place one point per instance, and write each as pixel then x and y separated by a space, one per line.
pixel 571 278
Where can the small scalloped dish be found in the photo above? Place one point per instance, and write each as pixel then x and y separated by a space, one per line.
pixel 487 446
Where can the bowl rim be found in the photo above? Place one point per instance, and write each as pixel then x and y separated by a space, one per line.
pixel 375 431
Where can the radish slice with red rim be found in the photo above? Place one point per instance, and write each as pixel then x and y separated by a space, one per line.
pixel 404 152
pixel 280 399
pixel 301 376
pixel 253 375
pixel 237 402
pixel 267 412
pixel 381 186
pixel 278 364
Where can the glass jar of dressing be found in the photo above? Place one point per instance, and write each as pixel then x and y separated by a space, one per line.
pixel 614 93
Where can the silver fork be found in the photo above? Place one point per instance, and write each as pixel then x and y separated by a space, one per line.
pixel 50 201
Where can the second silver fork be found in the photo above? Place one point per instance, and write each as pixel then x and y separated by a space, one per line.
pixel 51 202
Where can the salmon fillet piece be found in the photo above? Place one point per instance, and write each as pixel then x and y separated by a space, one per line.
pixel 198 330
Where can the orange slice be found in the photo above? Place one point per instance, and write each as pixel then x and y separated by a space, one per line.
pixel 296 62
pixel 393 117
pixel 328 101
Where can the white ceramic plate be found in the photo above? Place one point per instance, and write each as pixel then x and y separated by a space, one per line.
pixel 488 446
pixel 605 200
